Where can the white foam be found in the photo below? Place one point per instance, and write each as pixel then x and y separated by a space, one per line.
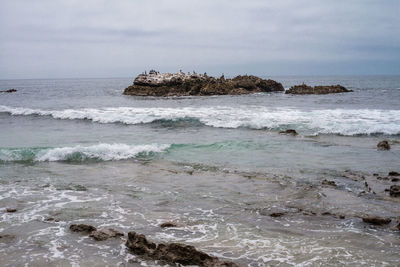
pixel 101 151
pixel 318 121
pixel 105 152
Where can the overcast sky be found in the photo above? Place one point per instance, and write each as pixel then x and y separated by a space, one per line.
pixel 120 38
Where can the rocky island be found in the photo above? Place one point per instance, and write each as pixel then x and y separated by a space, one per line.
pixel 194 84
pixel 304 89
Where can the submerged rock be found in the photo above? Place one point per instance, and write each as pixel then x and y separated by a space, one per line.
pixel 181 84
pixel 289 131
pixel 11 210
pixel 51 219
pixel 277 214
pixel 82 228
pixel 392 173
pixel 327 182
pixel 304 89
pixel 394 191
pixel 6 238
pixel 101 235
pixel 375 220
pixel 168 224
pixel 173 253
pixel 383 145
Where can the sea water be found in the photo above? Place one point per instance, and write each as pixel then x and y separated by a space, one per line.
pixel 78 151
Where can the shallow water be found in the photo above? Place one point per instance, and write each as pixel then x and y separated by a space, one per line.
pixel 80 152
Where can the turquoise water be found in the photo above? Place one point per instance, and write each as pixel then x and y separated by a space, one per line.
pixel 216 164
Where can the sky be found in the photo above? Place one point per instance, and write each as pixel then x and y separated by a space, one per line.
pixel 121 38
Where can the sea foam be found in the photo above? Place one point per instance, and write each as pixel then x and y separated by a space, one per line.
pixel 316 121
pixel 102 152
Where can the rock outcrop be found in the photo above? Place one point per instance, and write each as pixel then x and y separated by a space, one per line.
pixel 304 89
pixel 383 145
pixel 86 228
pixel 181 84
pixel 98 235
pixel 375 220
pixel 101 235
pixel 173 253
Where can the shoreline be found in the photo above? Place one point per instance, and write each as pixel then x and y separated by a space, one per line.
pixel 312 216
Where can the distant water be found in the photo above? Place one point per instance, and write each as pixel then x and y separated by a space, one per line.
pixel 216 164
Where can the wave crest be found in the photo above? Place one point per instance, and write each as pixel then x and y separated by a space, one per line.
pixel 100 152
pixel 319 121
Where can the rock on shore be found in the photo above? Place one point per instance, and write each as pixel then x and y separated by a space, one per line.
pixel 181 84
pixel 316 90
pixel 173 253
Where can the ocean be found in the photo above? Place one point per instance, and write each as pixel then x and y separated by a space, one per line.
pixel 78 151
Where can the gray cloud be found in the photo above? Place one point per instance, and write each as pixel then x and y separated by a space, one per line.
pixel 106 38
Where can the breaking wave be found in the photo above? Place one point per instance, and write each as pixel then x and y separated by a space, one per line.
pixel 100 152
pixel 313 122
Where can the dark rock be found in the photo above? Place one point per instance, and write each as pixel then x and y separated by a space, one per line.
pixel 309 212
pixel 82 228
pixel 168 224
pixel 51 219
pixel 375 220
pixel 101 235
pixel 138 244
pixel 180 84
pixel 115 233
pixel 382 178
pixel 317 90
pixel 394 174
pixel 342 217
pixel 11 210
pixel 277 214
pixel 289 131
pixel 6 238
pixel 8 91
pixel 173 253
pixel 394 191
pixel 326 213
pixel 327 182
pixel 383 145
pixel 395 179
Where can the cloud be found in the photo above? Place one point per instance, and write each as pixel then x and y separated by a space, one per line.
pixel 117 38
